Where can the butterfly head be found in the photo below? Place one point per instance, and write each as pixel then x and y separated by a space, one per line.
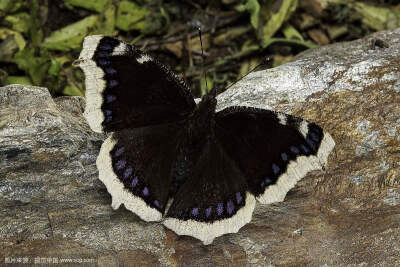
pixel 208 103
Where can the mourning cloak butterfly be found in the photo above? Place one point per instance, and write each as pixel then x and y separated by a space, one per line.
pixel 167 159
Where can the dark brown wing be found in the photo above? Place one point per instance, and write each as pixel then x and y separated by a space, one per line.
pixel 272 150
pixel 126 88
pixel 214 200
pixel 136 167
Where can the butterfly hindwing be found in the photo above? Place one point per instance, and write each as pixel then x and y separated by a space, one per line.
pixel 126 88
pixel 213 201
pixel 135 165
pixel 272 150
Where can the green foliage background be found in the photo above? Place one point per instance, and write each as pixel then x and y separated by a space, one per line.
pixel 39 39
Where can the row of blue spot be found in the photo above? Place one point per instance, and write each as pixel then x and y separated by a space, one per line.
pixel 219 209
pixel 121 164
pixel 104 51
pixel 312 140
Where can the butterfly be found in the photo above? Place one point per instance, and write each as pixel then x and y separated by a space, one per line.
pixel 197 171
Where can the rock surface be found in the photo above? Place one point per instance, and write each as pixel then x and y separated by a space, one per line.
pixel 53 207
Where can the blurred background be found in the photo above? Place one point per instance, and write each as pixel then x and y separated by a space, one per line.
pixel 39 39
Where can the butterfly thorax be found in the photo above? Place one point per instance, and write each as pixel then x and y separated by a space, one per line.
pixel 199 131
pixel 203 119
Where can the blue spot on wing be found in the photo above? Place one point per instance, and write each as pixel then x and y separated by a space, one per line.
pixel 128 172
pixel 110 71
pixel 268 181
pixel 305 149
pixel 220 208
pixel 145 191
pixel 275 168
pixel 195 211
pixel 119 151
pixel 110 98
pixel 134 181
pixel 103 62
pixel 208 211
pixel 294 150
pixel 112 83
pixel 108 119
pixel 238 197
pixel 120 164
pixel 230 207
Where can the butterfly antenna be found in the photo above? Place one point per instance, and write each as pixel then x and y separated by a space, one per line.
pixel 264 62
pixel 202 60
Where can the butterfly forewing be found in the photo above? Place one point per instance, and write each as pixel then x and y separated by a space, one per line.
pixel 126 88
pixel 272 150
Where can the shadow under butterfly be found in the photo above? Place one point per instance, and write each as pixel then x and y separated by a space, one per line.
pixel 167 159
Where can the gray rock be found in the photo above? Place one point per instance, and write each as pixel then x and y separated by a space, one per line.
pixel 53 206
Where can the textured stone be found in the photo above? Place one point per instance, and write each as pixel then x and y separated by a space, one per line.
pixel 53 206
